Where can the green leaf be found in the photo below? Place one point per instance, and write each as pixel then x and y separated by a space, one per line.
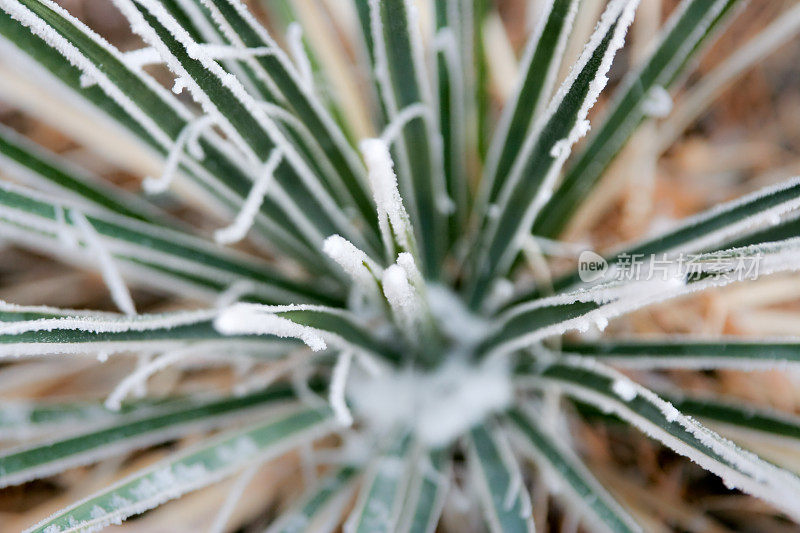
pixel 315 325
pixel 506 504
pixel 133 241
pixel 383 490
pixel 538 69
pixel 403 82
pixel 544 153
pixel 139 104
pixel 738 415
pixel 24 420
pixel 37 331
pixel 614 393
pixel 571 473
pixel 524 324
pixel 27 161
pixel 427 492
pixel 130 432
pixel 713 229
pixel 689 353
pixel 347 168
pixel 785 229
pixel 453 108
pixel 198 467
pixel 310 512
pixel 520 322
pixel 684 34
pixel 244 121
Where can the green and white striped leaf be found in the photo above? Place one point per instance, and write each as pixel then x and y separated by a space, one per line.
pixel 39 331
pixel 28 162
pixel 320 508
pixel 690 353
pixel 691 26
pixel 198 467
pixel 197 19
pixel 524 324
pixel 130 432
pixel 225 100
pixel 24 419
pixel 155 255
pixel 788 228
pixel 47 34
pixel 505 501
pixel 566 471
pixel 403 82
pixel 738 415
pixel 383 490
pixel 614 393
pixel 451 80
pixel 544 152
pixel 757 214
pixel 427 492
pixel 317 326
pixel 538 69
pixel 347 181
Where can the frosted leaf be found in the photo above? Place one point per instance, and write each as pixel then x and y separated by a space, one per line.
pixel 65 234
pixel 118 502
pixel 187 474
pixel 256 319
pixel 145 489
pixel 97 512
pixel 247 214
pixel 392 131
pixel 235 292
pixel 353 261
pixel 138 378
pixel 186 138
pixel 294 38
pixel 337 389
pixel 383 180
pixel 136 59
pixel 239 450
pixel 108 269
pixel 402 297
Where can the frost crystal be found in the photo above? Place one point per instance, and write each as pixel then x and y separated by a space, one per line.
pixel 624 389
pixel 352 260
pixel 401 296
pixel 658 103
pixel 243 319
pixel 391 212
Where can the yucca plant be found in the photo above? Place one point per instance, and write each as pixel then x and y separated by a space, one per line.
pixel 383 306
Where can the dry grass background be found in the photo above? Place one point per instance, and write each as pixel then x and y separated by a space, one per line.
pixel 749 137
